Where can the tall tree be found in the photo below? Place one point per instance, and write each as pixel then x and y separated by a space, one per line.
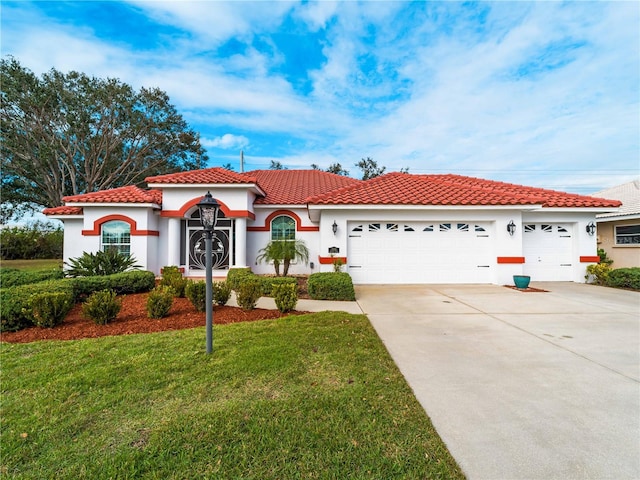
pixel 276 165
pixel 337 169
pixel 66 134
pixel 370 168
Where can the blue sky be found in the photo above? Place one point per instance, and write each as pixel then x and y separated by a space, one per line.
pixel 543 94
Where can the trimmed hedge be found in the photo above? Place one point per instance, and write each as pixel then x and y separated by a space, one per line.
pixel 268 284
pixel 15 307
pixel 624 278
pixel 331 286
pixel 49 309
pixel 235 276
pixel 12 277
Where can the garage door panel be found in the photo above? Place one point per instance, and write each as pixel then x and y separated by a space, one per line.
pixel 548 251
pixel 420 252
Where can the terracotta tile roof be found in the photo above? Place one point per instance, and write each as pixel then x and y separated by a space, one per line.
pixel 64 210
pixel 293 187
pixel 131 194
pixel 204 176
pixel 405 189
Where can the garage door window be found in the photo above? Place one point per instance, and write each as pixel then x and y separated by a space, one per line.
pixel 628 235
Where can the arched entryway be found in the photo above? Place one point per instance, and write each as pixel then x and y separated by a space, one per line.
pixel 192 243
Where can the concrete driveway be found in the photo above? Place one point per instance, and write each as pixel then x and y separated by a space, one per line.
pixel 521 385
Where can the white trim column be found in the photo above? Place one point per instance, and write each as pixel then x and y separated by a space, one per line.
pixel 241 242
pixel 173 241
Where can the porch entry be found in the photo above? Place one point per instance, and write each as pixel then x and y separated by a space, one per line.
pixel 192 243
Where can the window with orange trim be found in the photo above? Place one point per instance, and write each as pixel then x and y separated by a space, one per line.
pixel 116 235
pixel 283 227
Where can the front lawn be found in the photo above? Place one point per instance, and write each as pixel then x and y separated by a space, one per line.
pixel 312 396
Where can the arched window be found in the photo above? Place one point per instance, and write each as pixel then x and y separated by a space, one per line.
pixel 116 235
pixel 283 227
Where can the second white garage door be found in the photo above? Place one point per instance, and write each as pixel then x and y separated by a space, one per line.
pixel 420 252
pixel 548 251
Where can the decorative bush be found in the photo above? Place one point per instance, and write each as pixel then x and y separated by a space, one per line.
pixel 102 307
pixel 269 282
pixel 100 263
pixel 49 309
pixel 12 277
pixel 159 301
pixel 172 277
pixel 625 278
pixel 236 275
pixel 331 286
pixel 196 292
pixel 285 296
pixel 248 292
pixel 221 293
pixel 337 264
pixel 15 308
pixel 598 273
pixel 604 258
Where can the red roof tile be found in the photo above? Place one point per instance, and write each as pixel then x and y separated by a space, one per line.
pixel 293 187
pixel 204 176
pixel 64 210
pixel 405 189
pixel 131 194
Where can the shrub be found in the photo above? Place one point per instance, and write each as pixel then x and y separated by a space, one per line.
pixel 221 293
pixel 604 258
pixel 625 278
pixel 269 282
pixel 37 240
pixel 248 292
pixel 598 273
pixel 102 307
pixel 49 309
pixel 285 296
pixel 15 308
pixel 331 286
pixel 196 292
pixel 159 301
pixel 100 263
pixel 337 264
pixel 11 277
pixel 134 281
pixel 172 277
pixel 236 275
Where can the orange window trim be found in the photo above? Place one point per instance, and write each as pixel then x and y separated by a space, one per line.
pixel 267 222
pixel 132 223
pixel 193 202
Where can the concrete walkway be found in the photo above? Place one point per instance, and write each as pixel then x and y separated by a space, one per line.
pixel 305 305
pixel 521 385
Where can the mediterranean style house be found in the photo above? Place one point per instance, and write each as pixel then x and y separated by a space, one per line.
pixel 395 228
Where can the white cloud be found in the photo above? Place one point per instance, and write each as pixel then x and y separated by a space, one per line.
pixel 227 141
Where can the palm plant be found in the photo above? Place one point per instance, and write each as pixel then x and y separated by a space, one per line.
pixel 283 252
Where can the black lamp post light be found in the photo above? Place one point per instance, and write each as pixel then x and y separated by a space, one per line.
pixel 208 217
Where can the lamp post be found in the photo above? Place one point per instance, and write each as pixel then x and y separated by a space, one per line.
pixel 208 216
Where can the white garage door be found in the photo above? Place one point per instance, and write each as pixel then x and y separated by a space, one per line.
pixel 420 252
pixel 548 251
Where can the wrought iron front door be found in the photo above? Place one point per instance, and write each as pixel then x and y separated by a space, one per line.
pixel 219 249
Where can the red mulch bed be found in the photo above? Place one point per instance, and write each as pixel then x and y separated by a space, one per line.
pixel 133 319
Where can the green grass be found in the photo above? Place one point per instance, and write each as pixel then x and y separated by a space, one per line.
pixel 313 396
pixel 32 264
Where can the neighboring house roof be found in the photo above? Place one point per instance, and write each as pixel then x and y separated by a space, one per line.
pixel 202 177
pixel 131 194
pixel 404 189
pixel 293 187
pixel 63 210
pixel 628 193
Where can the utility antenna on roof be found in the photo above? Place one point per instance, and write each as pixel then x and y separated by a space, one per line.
pixel 241 161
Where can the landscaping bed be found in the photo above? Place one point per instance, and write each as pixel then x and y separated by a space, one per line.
pixel 133 319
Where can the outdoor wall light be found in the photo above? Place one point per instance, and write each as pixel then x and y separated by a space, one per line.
pixel 591 228
pixel 511 228
pixel 209 209
pixel 334 227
